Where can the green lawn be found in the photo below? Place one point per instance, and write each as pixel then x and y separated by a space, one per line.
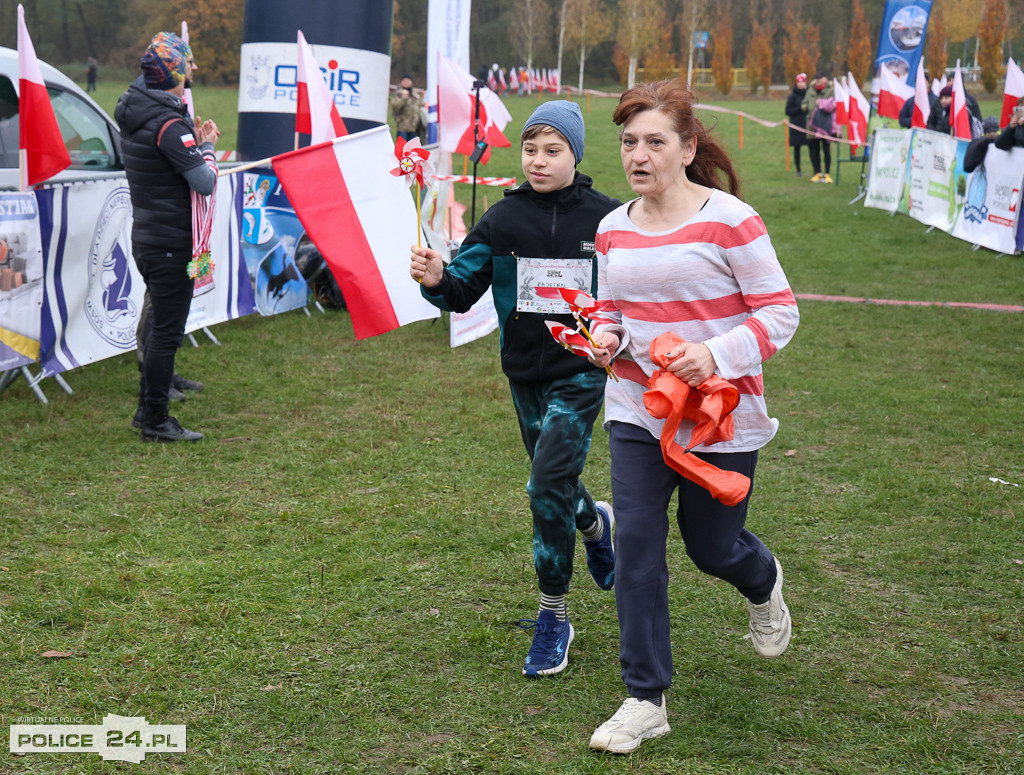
pixel 329 582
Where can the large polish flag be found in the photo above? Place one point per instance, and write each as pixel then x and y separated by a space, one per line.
pixel 363 220
pixel 315 114
pixel 1012 92
pixel 456 112
pixel 893 92
pixel 961 123
pixel 41 148
pixel 922 103
pixel 860 111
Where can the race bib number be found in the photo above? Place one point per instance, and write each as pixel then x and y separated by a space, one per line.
pixel 534 273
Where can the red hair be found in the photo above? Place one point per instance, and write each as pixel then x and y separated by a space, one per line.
pixel 675 99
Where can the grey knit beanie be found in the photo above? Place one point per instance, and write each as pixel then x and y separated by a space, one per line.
pixel 567 118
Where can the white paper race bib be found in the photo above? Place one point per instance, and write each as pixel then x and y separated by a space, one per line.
pixel 534 273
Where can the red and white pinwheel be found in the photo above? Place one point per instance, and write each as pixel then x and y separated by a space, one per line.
pixel 581 303
pixel 569 338
pixel 412 161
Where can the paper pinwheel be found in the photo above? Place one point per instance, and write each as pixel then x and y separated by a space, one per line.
pixel 412 161
pixel 581 305
pixel 569 338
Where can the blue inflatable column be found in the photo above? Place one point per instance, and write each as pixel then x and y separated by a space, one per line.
pixel 351 41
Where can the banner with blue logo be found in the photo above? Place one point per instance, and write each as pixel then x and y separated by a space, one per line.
pixel 92 291
pixel 901 37
pixel 991 209
pixel 21 280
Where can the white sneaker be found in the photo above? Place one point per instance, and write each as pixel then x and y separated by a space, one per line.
pixel 770 623
pixel 634 722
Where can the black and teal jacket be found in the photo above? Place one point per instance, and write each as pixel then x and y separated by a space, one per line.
pixel 559 224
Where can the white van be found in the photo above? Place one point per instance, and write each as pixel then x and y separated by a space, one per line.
pixel 90 135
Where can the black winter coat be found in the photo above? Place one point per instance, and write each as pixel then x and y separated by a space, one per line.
pixel 797 116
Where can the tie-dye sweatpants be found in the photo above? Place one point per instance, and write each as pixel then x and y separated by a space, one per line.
pixel 556 419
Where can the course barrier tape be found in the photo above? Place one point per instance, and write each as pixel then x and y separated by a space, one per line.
pixel 899 303
pixel 485 181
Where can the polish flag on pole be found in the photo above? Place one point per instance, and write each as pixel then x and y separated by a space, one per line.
pixel 922 103
pixel 352 206
pixel 960 126
pixel 859 111
pixel 41 151
pixel 456 112
pixel 1012 92
pixel 315 114
pixel 842 95
pixel 893 92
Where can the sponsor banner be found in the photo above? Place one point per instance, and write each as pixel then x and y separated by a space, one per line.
pixel 901 37
pixel 93 292
pixel 232 293
pixel 934 184
pixel 357 79
pixel 21 280
pixel 889 151
pixel 991 207
pixel 448 34
pixel 270 234
pixel 475 324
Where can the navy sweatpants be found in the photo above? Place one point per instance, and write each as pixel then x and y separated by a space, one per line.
pixel 556 420
pixel 715 537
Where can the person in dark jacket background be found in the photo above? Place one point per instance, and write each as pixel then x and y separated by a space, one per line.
pixel 797 118
pixel 939 120
pixel 166 157
pixel 542 234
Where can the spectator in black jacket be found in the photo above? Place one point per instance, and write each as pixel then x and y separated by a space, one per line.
pixel 1014 132
pixel 166 157
pixel 941 121
pixel 797 118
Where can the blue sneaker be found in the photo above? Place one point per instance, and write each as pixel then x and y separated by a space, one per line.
pixel 600 554
pixel 549 652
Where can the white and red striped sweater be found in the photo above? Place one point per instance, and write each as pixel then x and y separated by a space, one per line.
pixel 715 279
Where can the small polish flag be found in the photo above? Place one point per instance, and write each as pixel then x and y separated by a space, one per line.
pixel 350 204
pixel 960 125
pixel 315 112
pixel 893 92
pixel 41 149
pixel 1012 92
pixel 188 140
pixel 922 104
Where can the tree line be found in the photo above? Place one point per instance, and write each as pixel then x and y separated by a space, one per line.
pixel 603 42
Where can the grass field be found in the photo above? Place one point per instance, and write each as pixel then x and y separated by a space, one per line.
pixel 328 583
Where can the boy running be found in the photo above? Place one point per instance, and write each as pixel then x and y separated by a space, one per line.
pixel 542 234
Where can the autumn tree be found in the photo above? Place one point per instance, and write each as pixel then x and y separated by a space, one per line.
pixel 639 24
pixel 935 43
pixel 991 33
pixel 759 47
pixel 962 17
pixel 587 24
pixel 531 24
pixel 802 45
pixel 860 53
pixel 721 42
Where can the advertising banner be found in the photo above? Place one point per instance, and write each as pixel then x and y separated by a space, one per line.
pixel 21 280
pixel 93 292
pixel 448 34
pixel 901 37
pixel 991 209
pixel 270 234
pixel 475 324
pixel 890 149
pixel 935 185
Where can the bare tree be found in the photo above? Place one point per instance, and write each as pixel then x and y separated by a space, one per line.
pixel 531 21
pixel 586 26
pixel 640 22
pixel 695 14
pixel 561 37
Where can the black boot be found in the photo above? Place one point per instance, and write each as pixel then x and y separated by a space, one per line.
pixel 167 431
pixel 178 382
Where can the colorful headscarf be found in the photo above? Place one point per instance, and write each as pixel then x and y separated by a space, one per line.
pixel 164 65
